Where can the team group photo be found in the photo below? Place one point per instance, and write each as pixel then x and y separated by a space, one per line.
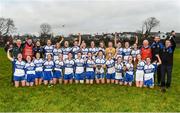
pixel 89 58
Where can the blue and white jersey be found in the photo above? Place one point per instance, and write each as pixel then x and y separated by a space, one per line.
pixel 93 50
pixel 19 68
pixel 38 64
pixel 119 67
pixel 90 65
pixel 56 53
pixel 75 50
pixel 65 52
pixel 48 65
pixel 126 53
pixel 59 65
pixel 30 68
pixel 149 71
pixel 48 50
pixel 69 66
pixel 100 48
pixel 84 52
pixel 79 64
pixel 99 62
pixel 140 66
pixel 134 53
pixel 119 52
pixel 110 64
pixel 130 68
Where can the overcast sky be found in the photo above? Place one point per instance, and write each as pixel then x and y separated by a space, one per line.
pixel 90 16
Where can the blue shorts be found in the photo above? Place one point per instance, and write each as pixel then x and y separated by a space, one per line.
pixel 57 74
pixel 148 82
pixel 18 78
pixel 99 76
pixel 47 75
pixel 30 77
pixel 39 74
pixel 68 76
pixel 79 76
pixel 90 75
pixel 128 78
pixel 110 76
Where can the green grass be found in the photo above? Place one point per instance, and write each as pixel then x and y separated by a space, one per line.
pixel 87 97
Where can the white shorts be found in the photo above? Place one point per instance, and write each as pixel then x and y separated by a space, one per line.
pixel 139 75
pixel 118 76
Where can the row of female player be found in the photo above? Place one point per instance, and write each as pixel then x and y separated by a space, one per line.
pixel 81 64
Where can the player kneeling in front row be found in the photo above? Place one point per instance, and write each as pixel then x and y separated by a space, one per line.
pixel 149 70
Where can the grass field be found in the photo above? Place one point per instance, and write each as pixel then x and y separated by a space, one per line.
pixel 87 97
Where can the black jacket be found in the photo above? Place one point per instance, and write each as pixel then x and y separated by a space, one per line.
pixel 156 48
pixel 167 53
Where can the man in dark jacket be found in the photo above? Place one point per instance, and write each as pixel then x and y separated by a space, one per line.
pixel 17 48
pixel 167 61
pixel 156 49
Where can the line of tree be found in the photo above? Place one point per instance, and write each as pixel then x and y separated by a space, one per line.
pixel 7 27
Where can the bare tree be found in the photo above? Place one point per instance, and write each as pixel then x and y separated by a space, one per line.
pixel 149 24
pixel 45 28
pixel 7 26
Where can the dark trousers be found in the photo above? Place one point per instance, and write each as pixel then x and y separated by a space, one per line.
pixel 166 70
pixel 159 74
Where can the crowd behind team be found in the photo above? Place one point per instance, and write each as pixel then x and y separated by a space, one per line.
pixel 119 63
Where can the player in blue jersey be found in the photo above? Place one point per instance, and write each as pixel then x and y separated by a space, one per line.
pixel 69 69
pixel 129 74
pixel 84 50
pixel 119 71
pixel 100 65
pixel 56 51
pixel 119 49
pixel 93 50
pixel 38 69
pixel 66 49
pixel 79 68
pixel 30 71
pixel 76 46
pixel 48 49
pixel 139 71
pixel 58 67
pixel 135 51
pixel 18 69
pixel 126 51
pixel 48 70
pixel 90 65
pixel 149 71
pixel 110 72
